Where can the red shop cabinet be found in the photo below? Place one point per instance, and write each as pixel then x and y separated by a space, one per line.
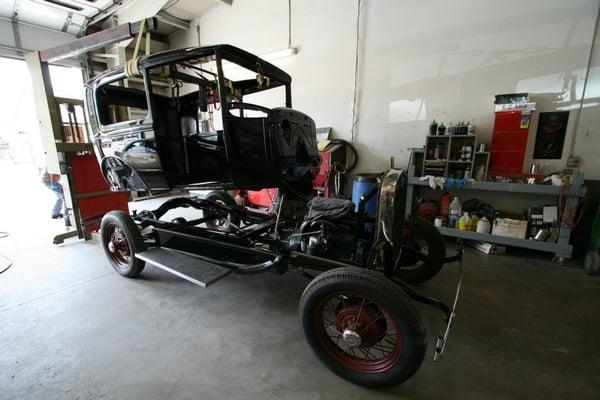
pixel 509 141
pixel 94 198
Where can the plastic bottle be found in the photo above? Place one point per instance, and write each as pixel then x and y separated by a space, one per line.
pixel 455 211
pixel 474 222
pixel 464 223
pixel 468 173
pixel 471 128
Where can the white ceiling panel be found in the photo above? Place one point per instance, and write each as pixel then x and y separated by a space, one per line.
pixel 190 9
pixel 60 15
pixel 69 15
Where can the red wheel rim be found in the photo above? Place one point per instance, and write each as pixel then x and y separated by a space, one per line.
pixel 358 333
pixel 117 245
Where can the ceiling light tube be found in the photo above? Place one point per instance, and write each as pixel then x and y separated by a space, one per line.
pixel 276 55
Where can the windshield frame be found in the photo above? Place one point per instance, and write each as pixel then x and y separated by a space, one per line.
pixel 219 53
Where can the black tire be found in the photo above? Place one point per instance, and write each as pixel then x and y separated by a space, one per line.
pixel 121 240
pixel 219 196
pixel 427 239
pixel 380 295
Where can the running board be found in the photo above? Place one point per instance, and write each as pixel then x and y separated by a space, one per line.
pixel 190 268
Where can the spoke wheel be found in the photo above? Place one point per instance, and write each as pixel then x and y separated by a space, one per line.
pixel 363 326
pixel 118 246
pixel 428 240
pixel 121 240
pixel 358 332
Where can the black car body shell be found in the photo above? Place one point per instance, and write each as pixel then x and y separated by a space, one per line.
pixel 249 153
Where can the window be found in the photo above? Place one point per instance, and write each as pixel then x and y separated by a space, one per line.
pixel 121 100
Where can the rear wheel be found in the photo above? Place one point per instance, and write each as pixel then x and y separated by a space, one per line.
pixel 429 241
pixel 221 220
pixel 363 327
pixel 121 240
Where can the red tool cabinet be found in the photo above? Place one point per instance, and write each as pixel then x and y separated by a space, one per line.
pixel 94 198
pixel 509 141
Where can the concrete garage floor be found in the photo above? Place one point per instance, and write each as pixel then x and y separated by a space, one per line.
pixel 71 328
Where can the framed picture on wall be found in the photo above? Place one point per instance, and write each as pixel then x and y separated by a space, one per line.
pixel 550 136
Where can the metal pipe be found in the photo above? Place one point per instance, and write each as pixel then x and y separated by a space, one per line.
pixel 585 82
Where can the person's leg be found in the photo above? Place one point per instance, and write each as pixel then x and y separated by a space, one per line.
pixel 66 210
pixel 58 203
pixel 60 198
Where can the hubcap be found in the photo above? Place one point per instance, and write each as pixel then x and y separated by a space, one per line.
pixel 352 338
pixel 111 247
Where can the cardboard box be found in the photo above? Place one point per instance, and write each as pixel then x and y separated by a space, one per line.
pixel 509 227
pixel 487 248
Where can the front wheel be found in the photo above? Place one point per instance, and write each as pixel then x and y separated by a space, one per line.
pixel 121 240
pixel 363 327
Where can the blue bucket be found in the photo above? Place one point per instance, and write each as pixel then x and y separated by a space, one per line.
pixel 360 185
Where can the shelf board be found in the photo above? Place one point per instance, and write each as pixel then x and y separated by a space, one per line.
pixel 508 187
pixel 459 162
pixel 504 240
pixel 448 136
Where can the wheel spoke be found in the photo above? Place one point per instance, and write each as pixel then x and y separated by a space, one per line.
pixel 358 333
pixel 371 323
pixel 335 330
pixel 366 353
pixel 357 318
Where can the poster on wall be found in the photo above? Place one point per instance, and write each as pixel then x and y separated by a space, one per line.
pixel 550 136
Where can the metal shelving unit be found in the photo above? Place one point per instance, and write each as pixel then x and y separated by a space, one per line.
pixel 562 248
pixel 447 159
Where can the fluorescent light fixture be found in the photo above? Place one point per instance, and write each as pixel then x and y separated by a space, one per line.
pixel 276 55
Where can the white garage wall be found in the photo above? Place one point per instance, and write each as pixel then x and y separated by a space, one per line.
pixel 422 60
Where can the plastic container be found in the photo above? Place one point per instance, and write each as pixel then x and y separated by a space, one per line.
pixel 455 212
pixel 468 173
pixel 484 226
pixel 464 223
pixel 471 128
pixel 360 185
pixel 474 222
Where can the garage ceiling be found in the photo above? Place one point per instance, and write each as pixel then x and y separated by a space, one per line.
pixel 60 15
pixel 190 9
pixel 71 16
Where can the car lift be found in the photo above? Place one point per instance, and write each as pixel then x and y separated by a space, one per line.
pixel 62 140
